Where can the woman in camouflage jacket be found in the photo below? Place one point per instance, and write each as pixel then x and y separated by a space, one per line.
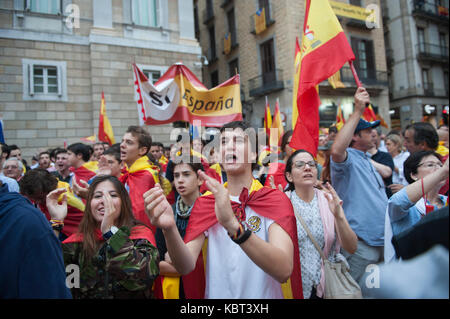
pixel 112 255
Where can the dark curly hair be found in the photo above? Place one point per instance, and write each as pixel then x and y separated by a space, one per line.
pixel 37 183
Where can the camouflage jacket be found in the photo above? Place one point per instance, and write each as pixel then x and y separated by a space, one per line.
pixel 122 268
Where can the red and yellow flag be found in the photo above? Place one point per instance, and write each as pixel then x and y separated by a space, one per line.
pixel 276 130
pixel 369 115
pixel 105 132
pixel 267 119
pixel 324 51
pixel 180 96
pixel 340 120
pixel 298 59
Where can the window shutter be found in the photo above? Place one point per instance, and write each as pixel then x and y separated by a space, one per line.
pixel 354 43
pixel 59 79
pixel 370 59
pixel 31 79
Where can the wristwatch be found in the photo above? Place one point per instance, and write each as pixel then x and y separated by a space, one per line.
pixel 110 232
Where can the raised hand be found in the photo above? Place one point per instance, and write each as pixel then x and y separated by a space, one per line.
pixel 224 212
pixel 57 211
pixel 80 190
pixel 111 213
pixel 158 209
pixel 362 99
pixel 334 202
pixel 103 167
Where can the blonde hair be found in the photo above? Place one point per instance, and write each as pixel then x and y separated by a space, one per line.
pixel 397 140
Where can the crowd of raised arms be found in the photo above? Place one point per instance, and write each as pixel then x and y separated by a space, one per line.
pixel 140 220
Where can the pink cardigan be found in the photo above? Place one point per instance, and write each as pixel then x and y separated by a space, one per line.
pixel 329 234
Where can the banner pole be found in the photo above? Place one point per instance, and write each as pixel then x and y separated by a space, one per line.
pixel 355 75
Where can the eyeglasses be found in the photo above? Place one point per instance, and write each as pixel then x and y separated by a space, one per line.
pixel 431 164
pixel 301 164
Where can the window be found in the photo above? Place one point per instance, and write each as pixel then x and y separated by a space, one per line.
pixel 214 79
pixel 145 13
pixel 212 44
pixel 233 67
pixel 232 26
pixel 44 6
pixel 364 62
pixel 356 3
pixel 44 80
pixel 268 62
pixel 265 4
pixel 152 75
pixel 196 23
pixel 443 44
pixel 421 39
pixel 427 84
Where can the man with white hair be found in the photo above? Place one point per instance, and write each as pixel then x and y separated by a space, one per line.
pixel 13 168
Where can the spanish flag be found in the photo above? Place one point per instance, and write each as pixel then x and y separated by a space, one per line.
pixel 267 119
pixel 369 114
pixel 267 202
pixel 277 124
pixel 340 120
pixel 324 51
pixel 295 87
pixel 105 132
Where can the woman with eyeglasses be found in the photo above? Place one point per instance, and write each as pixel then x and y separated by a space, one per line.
pixel 323 214
pixel 426 174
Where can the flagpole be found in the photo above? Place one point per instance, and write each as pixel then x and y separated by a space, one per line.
pixel 355 75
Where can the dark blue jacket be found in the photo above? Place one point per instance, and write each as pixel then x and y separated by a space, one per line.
pixel 31 262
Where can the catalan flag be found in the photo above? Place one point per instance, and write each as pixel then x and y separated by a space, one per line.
pixel 105 132
pixel 227 44
pixel 335 81
pixel 260 20
pixel 324 51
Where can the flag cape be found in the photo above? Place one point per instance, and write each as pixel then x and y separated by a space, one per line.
pixel 277 171
pixel 138 179
pixel 180 96
pixel 84 172
pixel 266 202
pixel 105 132
pixel 137 232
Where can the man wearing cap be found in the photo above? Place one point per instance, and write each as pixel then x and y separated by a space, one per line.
pixel 360 186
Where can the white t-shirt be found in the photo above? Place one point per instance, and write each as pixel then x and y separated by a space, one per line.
pixel 230 273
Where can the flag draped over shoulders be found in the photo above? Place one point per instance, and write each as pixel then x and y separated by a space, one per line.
pixel 138 179
pixel 266 202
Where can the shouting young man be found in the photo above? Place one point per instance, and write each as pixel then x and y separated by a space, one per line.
pixel 252 248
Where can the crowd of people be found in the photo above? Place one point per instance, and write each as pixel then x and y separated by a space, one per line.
pixel 140 220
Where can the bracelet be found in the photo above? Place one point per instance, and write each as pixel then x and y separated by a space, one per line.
pixel 242 234
pixel 57 224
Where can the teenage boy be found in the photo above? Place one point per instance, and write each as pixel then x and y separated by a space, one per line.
pixel 138 175
pixel 187 183
pixel 78 158
pixel 252 246
pixel 62 166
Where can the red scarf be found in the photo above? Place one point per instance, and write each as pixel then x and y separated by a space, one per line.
pixel 137 232
pixel 266 202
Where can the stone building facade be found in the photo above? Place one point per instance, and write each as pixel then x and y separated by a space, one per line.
pixel 417 53
pixel 265 61
pixel 57 56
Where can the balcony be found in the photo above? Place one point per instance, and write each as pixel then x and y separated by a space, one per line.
pixel 266 83
pixel 368 77
pixel 429 11
pixel 427 52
